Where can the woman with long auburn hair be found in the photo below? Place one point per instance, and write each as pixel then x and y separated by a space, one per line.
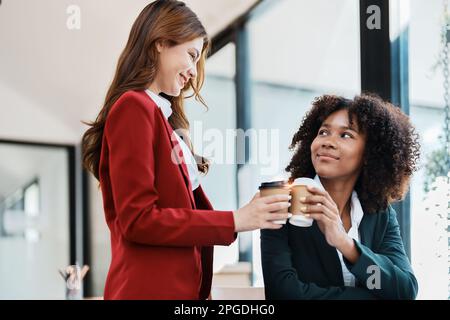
pixel 163 227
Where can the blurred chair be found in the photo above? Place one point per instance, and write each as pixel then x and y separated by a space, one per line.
pixel 234 275
pixel 229 293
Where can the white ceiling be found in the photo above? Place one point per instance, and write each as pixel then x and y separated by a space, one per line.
pixel 51 77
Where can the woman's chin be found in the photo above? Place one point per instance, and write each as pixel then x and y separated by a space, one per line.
pixel 175 92
pixel 325 172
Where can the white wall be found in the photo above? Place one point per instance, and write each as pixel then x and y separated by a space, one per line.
pixel 25 119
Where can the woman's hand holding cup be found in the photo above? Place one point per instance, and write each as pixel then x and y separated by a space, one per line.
pixel 260 213
pixel 322 208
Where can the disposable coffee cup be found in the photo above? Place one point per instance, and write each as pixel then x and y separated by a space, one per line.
pixel 273 188
pixel 298 190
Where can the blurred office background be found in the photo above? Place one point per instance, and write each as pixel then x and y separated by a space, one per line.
pixel 269 59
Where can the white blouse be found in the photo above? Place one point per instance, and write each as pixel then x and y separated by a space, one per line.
pixel 356 215
pixel 191 164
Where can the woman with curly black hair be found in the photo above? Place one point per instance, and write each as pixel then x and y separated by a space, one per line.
pixel 362 154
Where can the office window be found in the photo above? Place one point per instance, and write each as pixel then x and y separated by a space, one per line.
pixel 20 207
pixel 429 199
pixel 34 221
pixel 212 133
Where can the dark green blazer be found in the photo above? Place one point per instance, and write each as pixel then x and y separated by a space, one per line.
pixel 298 263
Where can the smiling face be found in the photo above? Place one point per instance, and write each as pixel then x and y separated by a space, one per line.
pixel 338 149
pixel 177 65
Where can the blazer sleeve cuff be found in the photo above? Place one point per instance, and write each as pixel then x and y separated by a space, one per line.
pixel 361 267
pixel 223 228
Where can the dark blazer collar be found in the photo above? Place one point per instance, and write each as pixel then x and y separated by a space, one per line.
pixel 328 254
pixel 331 266
pixel 366 228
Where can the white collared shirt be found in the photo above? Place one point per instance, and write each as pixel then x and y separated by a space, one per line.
pixel 191 164
pixel 356 215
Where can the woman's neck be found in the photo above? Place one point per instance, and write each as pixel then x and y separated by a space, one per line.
pixel 339 190
pixel 153 88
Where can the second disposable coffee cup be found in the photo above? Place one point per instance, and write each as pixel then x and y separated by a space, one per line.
pixel 273 188
pixel 299 190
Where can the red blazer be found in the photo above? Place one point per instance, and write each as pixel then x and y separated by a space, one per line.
pixel 162 233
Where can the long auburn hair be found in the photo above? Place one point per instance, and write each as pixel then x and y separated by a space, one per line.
pixel 165 21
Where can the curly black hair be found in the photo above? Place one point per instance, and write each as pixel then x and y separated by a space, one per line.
pixel 391 153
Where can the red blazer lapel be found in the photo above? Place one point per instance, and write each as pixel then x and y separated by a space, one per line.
pixel 179 157
pixel 203 203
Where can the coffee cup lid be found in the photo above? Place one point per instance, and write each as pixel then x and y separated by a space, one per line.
pixel 273 184
pixel 306 182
